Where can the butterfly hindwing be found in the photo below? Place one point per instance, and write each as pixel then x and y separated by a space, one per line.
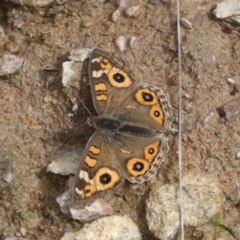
pixel 99 171
pixel 140 157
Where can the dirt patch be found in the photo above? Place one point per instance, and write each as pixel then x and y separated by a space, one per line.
pixel 34 120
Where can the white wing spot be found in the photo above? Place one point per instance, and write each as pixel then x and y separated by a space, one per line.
pixel 86 177
pixel 78 191
pixel 81 174
pixel 95 60
pixel 100 188
pixel 99 73
pixel 94 73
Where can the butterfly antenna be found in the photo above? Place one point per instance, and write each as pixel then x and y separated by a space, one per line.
pixel 79 126
pixel 85 106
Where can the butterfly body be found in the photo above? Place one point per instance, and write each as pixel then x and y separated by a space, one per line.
pixel 114 126
pixel 129 141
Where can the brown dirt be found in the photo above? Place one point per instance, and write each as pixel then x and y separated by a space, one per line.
pixel 33 115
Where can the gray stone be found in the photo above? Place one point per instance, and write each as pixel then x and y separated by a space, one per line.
pixel 113 227
pixel 65 162
pixel 33 3
pixel 10 63
pixel 80 54
pixel 99 208
pixel 228 9
pixel 202 200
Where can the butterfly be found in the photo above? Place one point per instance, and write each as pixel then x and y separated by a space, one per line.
pixel 130 137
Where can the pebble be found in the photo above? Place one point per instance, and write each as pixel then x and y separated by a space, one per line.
pixel 116 15
pixel 10 63
pixel 188 107
pixel 186 23
pixel 122 3
pixel 87 23
pixel 212 58
pixel 208 117
pixel 23 231
pixel 8 177
pixel 80 54
pixel 133 12
pixel 230 80
pixel 132 40
pixel 230 109
pixel 237 155
pixel 68 73
pixel 75 107
pixel 121 43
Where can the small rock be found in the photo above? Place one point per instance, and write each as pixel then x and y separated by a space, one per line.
pixel 208 117
pixel 228 9
pixel 162 213
pixel 80 55
pixel 188 107
pixel 121 43
pixel 133 12
pixel 18 234
pixel 10 63
pixel 202 200
pixel 23 231
pixel 68 73
pixel 64 200
pixel 8 177
pixel 122 3
pixel 186 23
pixel 116 15
pixel 132 40
pixel 81 211
pixel 88 22
pixel 212 58
pixel 99 208
pixel 48 99
pixel 113 227
pixel 230 80
pixel 75 107
pixel 65 162
pixel 229 110
pixel 70 115
pixel 237 155
pixel 34 3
